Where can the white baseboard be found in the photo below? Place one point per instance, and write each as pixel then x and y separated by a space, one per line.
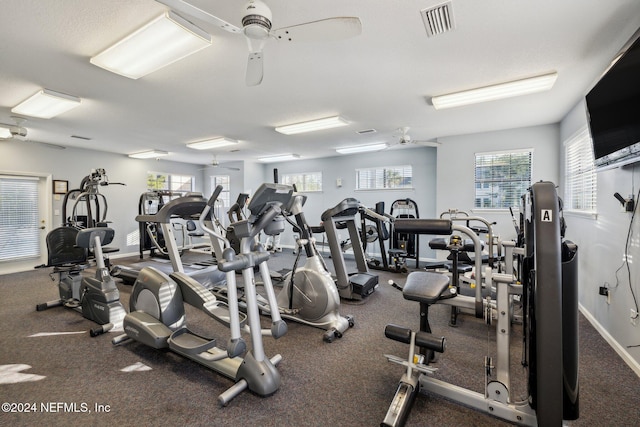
pixel 633 364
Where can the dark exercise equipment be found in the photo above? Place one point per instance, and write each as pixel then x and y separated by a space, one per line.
pixel 547 265
pixel 97 298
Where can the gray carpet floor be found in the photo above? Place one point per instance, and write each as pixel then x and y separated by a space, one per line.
pixel 81 380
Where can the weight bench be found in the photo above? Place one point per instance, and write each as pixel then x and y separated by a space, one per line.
pixel 427 288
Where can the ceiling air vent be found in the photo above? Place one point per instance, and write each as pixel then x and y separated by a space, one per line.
pixel 438 19
pixel 81 137
pixel 366 131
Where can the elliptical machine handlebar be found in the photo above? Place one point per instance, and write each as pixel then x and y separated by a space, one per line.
pixel 205 212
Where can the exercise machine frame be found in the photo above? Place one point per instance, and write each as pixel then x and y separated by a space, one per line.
pixel 549 270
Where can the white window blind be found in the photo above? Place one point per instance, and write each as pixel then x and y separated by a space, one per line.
pixel 19 218
pixel 501 178
pixel 580 174
pixel 304 181
pixel 385 177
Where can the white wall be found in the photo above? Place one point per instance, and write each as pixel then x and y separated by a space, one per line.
pixel 74 164
pixel 456 168
pixel 601 241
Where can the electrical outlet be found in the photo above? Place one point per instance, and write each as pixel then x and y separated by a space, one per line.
pixel 629 205
pixel 634 317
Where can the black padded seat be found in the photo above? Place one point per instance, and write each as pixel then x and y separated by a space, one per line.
pixel 425 286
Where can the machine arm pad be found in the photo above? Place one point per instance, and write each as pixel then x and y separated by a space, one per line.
pixel 423 226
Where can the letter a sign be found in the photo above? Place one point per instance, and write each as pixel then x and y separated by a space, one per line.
pixel 546 215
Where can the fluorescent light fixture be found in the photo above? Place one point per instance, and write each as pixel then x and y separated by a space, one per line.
pixel 150 154
pixel 313 125
pixel 161 42
pixel 362 148
pixel 5 132
pixel 46 104
pixel 211 143
pixel 499 91
pixel 279 158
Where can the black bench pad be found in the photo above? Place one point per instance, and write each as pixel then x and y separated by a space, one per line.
pixel 425 286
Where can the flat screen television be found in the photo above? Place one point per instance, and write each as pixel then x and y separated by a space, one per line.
pixel 613 107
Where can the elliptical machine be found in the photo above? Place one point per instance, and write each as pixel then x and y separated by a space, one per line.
pixel 97 298
pixel 309 295
pixel 157 314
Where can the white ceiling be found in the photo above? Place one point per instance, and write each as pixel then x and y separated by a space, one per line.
pixel 382 79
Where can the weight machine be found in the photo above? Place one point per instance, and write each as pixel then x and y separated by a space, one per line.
pixel 89 196
pixel 547 266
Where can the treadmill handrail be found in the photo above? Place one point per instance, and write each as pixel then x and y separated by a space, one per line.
pixel 347 207
pixel 186 207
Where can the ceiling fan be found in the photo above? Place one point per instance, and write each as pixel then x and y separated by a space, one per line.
pixel 216 164
pixel 256 27
pixel 405 139
pixel 19 133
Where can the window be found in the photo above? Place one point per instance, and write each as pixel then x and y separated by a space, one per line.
pixel 164 181
pixel 310 181
pixel 580 175
pixel 224 196
pixel 384 178
pixel 19 218
pixel 501 178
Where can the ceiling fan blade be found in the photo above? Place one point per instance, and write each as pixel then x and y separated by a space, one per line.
pixel 46 144
pixel 329 29
pixel 230 168
pixel 188 9
pixel 427 143
pixel 254 69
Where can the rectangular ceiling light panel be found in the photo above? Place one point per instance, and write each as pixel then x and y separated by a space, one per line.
pixel 361 148
pixel 313 125
pixel 279 158
pixel 494 92
pixel 211 143
pixel 151 154
pixel 161 42
pixel 46 104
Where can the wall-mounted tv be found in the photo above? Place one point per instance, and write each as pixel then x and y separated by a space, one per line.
pixel 613 106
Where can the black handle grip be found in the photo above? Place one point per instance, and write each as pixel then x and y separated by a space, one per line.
pixel 214 196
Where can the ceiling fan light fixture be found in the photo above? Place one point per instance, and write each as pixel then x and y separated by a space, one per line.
pixel 5 132
pixel 46 104
pixel 362 148
pixel 312 125
pixel 212 143
pixel 495 92
pixel 149 154
pixel 279 158
pixel 161 42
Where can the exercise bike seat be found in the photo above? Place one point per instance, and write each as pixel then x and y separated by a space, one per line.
pixel 426 287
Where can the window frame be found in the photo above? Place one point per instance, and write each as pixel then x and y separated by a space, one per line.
pixel 225 194
pixel 169 182
pixel 308 180
pixel 512 194
pixel 580 174
pixel 380 182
